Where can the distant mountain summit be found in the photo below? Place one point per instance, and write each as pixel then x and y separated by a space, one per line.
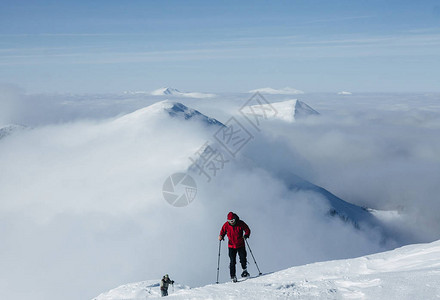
pixel 166 91
pixel 169 91
pixel 283 91
pixel 288 111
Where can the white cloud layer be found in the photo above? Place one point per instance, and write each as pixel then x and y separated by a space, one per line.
pixel 167 91
pixel 81 205
pixel 283 91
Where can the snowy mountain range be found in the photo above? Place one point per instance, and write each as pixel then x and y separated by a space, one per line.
pixel 283 91
pixel 288 110
pixel 169 91
pixel 410 272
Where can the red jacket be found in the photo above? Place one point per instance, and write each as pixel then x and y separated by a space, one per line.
pixel 235 233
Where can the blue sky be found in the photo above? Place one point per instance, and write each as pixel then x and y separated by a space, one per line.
pixel 315 46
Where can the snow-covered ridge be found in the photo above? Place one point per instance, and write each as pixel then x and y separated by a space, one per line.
pixel 410 272
pixel 6 130
pixel 283 91
pixel 168 91
pixel 344 93
pixel 138 290
pixel 288 111
pixel 172 109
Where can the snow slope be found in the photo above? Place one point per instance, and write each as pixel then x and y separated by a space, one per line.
pixel 411 272
pixel 138 290
pixel 173 109
pixel 168 91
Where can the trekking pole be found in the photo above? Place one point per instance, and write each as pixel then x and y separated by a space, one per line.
pixel 218 263
pixel 250 250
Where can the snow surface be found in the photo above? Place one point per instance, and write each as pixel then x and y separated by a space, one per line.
pixel 410 272
pixel 344 93
pixel 139 290
pixel 168 91
pixel 283 91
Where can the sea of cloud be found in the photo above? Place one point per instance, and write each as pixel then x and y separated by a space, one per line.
pixel 82 210
pixel 377 151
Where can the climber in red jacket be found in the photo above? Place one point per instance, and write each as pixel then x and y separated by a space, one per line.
pixel 237 231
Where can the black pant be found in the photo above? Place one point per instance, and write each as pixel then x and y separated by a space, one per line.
pixel 233 257
pixel 164 292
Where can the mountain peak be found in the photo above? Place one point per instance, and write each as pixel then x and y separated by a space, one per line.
pixel 173 109
pixel 289 110
pixel 169 91
pixel 165 91
pixel 303 110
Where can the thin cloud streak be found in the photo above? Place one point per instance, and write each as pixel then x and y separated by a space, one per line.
pixel 286 46
pixel 332 20
pixel 85 34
